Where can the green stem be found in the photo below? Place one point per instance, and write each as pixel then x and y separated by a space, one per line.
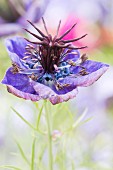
pixel 49 126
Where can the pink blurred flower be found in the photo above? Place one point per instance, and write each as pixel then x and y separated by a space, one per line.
pixel 82 27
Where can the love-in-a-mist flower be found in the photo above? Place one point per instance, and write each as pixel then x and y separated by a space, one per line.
pixel 14 13
pixel 49 68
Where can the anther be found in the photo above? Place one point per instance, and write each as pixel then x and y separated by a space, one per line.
pixel 60 86
pixel 84 57
pixel 33 77
pixel 15 68
pixel 72 63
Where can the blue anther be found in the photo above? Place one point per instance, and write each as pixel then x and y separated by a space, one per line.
pixel 31 65
pixel 63 63
pixel 47 77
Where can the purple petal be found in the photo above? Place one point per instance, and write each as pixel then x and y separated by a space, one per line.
pixel 28 3
pixel 18 81
pixel 16 59
pixel 46 92
pixel 94 74
pixel 16 46
pixel 89 65
pixel 34 11
pixel 2 21
pixel 9 28
pixel 63 98
pixel 92 66
pixel 63 90
pixel 20 86
pixel 21 94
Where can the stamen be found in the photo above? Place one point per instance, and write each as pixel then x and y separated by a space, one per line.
pixel 34 59
pixel 27 53
pixel 15 68
pixel 60 86
pixel 84 57
pixel 37 64
pixel 26 57
pixel 55 67
pixel 67 66
pixel 30 46
pixel 83 72
pixel 72 63
pixel 33 77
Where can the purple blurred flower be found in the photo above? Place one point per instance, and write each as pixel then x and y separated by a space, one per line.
pixel 51 68
pixel 14 13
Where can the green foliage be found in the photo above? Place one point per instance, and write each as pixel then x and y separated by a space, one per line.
pixel 33 155
pixel 4 59
pixel 22 153
pixel 10 167
pixel 62 120
pixel 105 54
pixel 68 152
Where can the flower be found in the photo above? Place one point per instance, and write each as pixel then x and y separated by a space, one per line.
pixel 82 25
pixel 13 19
pixel 51 68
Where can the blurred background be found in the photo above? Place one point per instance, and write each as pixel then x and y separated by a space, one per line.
pixel 90 145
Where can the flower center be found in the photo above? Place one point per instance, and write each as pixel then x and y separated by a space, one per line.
pixel 47 56
pixel 49 51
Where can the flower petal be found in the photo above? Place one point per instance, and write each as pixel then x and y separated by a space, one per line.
pixel 95 69
pixel 9 28
pixel 23 95
pixel 16 45
pixel 89 65
pixel 46 92
pixel 34 12
pixel 92 66
pixel 63 98
pixel 19 81
pixel 2 21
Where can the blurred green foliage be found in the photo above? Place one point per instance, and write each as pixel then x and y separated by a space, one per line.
pixel 103 54
pixel 4 59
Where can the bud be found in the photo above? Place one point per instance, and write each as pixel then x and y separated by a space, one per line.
pixel 56 135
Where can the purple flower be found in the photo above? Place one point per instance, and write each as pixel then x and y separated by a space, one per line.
pixel 50 68
pixel 14 13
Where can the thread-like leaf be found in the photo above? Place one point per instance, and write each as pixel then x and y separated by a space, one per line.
pixel 33 155
pixel 10 167
pixel 80 119
pixel 39 116
pixel 70 114
pixel 30 125
pixel 22 153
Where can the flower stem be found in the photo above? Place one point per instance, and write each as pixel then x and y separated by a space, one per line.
pixel 49 126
